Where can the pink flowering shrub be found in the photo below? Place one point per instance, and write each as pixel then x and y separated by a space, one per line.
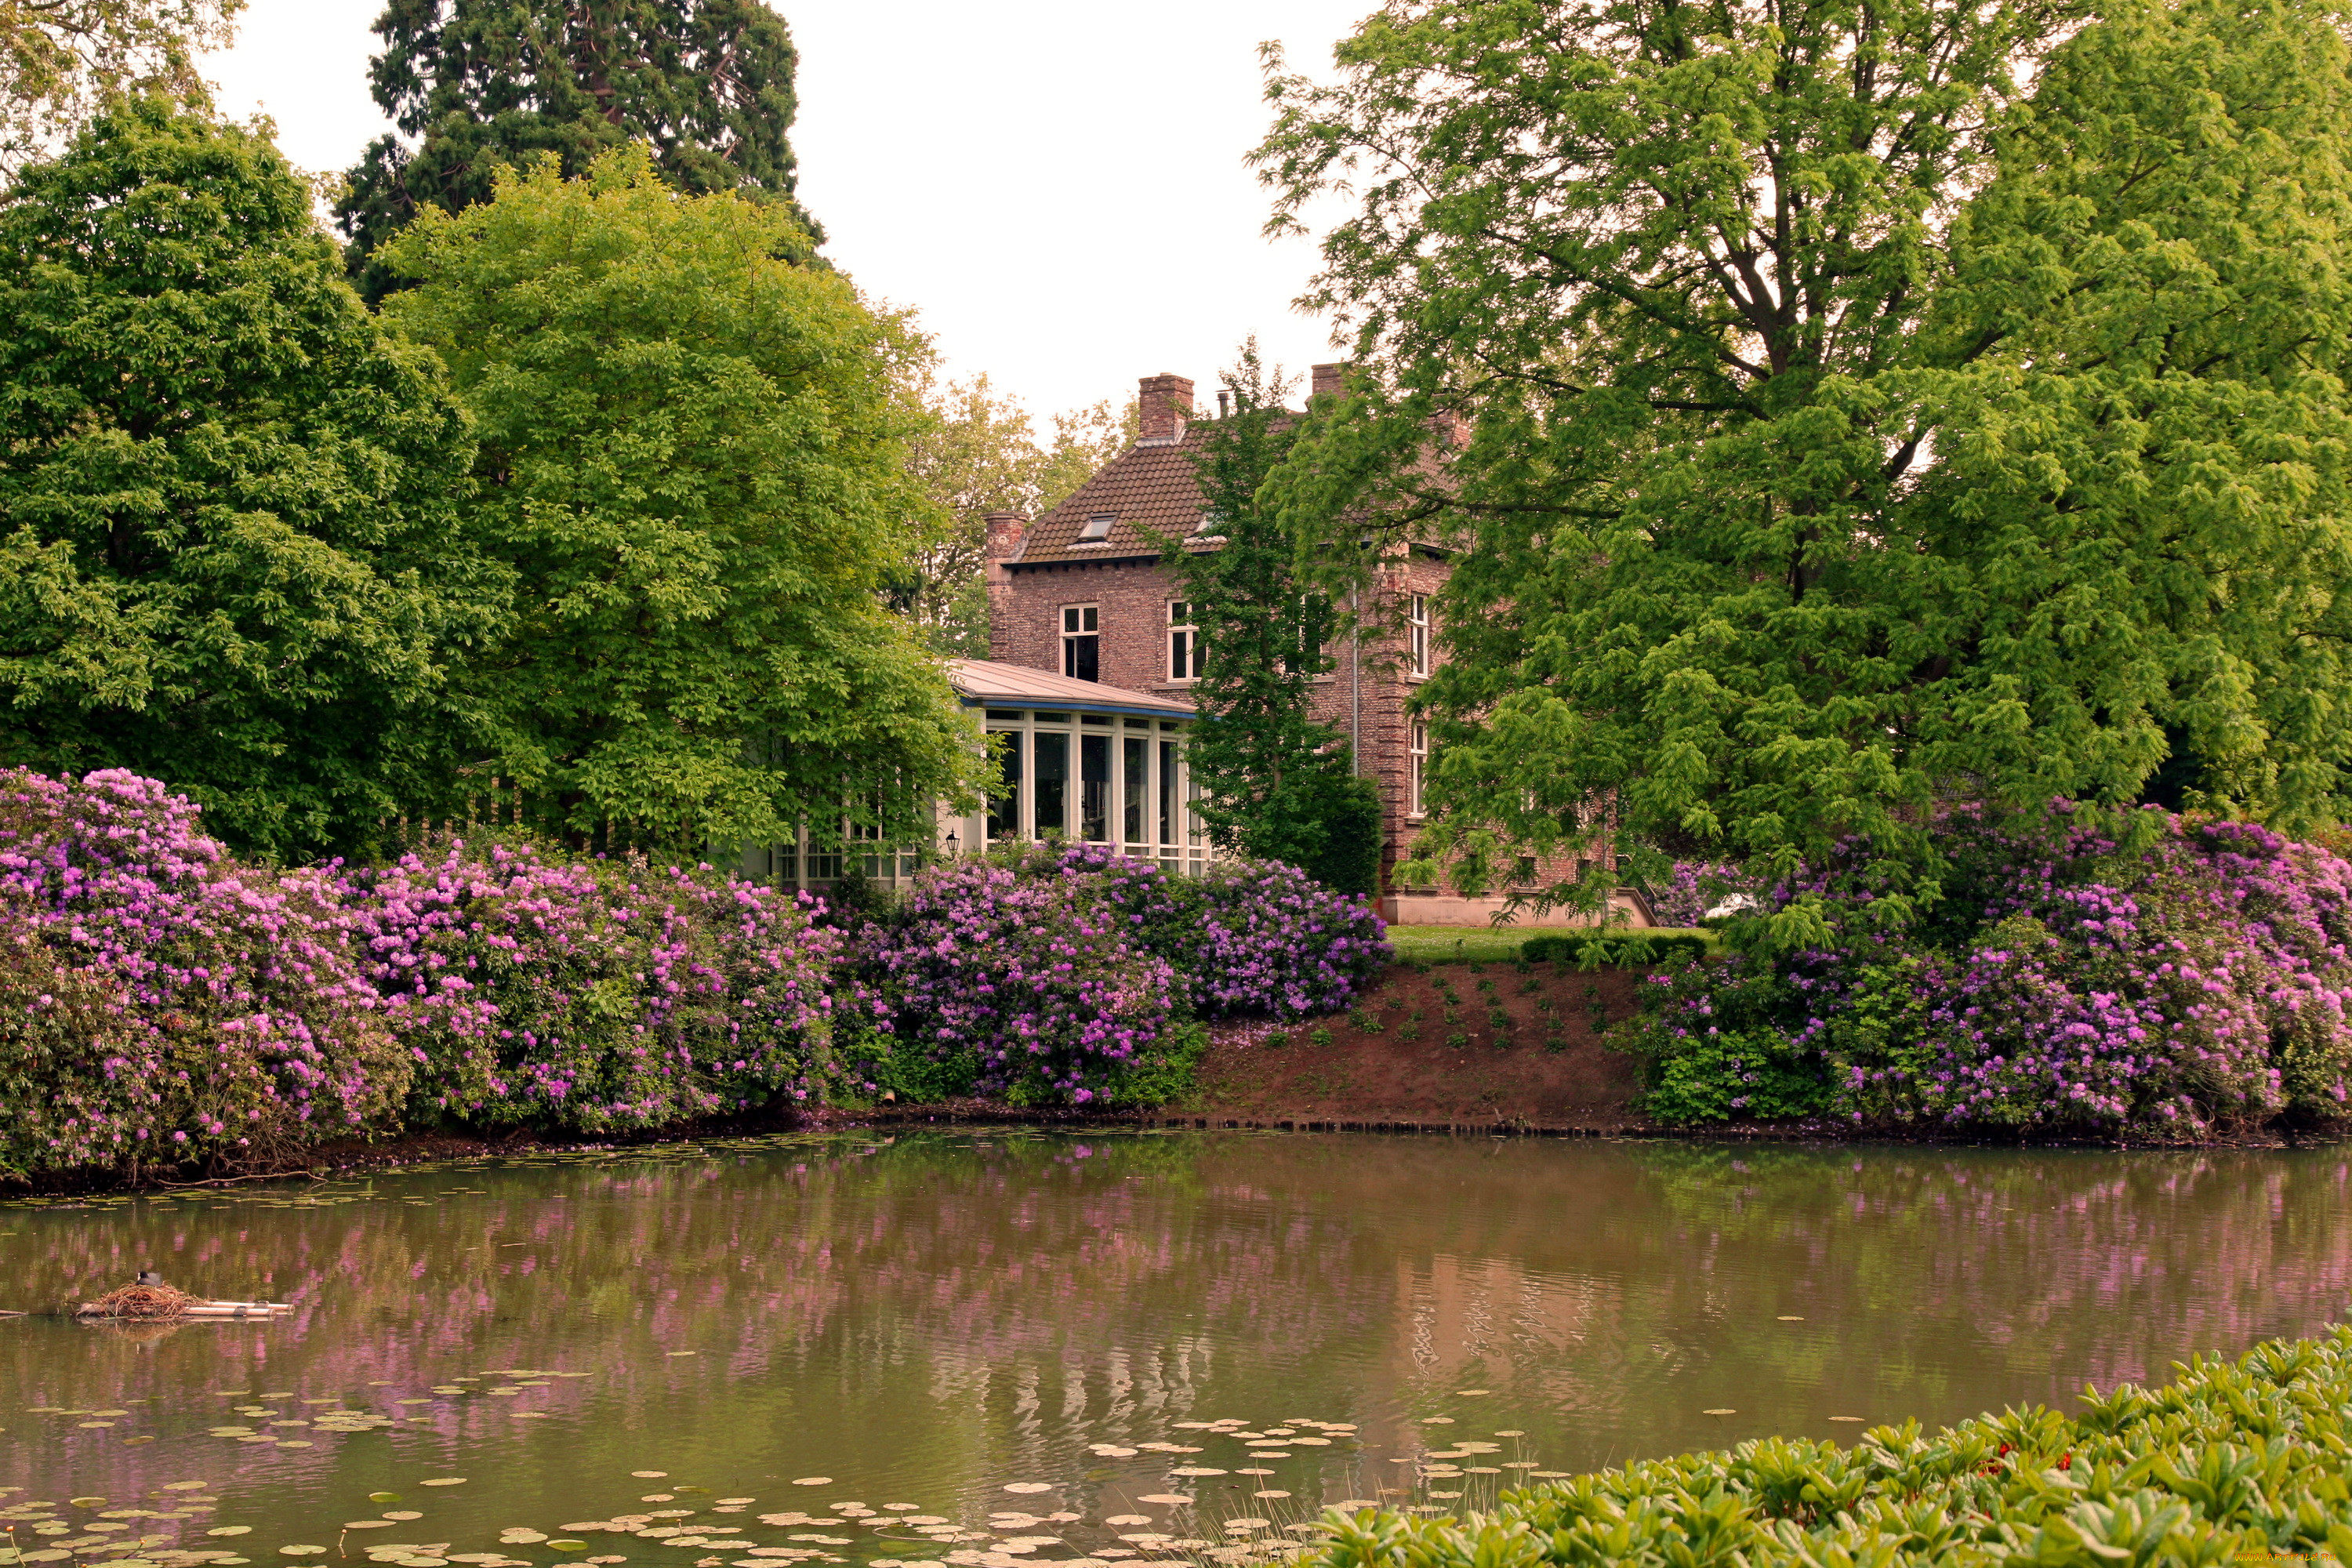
pixel 1054 972
pixel 592 997
pixel 1027 966
pixel 1696 887
pixel 1265 938
pixel 158 1003
pixel 2060 988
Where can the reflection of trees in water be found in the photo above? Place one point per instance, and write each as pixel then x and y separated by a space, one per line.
pixel 937 1307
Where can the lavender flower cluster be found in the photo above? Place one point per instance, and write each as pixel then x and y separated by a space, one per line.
pixel 592 997
pixel 2062 986
pixel 1056 969
pixel 160 1003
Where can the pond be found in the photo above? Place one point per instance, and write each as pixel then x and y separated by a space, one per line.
pixel 861 1348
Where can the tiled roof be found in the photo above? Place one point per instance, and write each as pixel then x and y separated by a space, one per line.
pixel 1008 685
pixel 1147 486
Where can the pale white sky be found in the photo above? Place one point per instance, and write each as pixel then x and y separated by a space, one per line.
pixel 1057 184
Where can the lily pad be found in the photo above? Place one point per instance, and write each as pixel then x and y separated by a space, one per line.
pixel 383 1497
pixel 302 1551
pixel 444 1482
pixel 1028 1487
pixel 813 1481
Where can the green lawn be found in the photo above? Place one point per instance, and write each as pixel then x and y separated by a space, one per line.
pixel 1483 945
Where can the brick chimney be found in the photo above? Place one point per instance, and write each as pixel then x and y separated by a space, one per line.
pixel 1005 529
pixel 1164 403
pixel 1327 379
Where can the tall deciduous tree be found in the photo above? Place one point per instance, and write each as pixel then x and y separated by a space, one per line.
pixel 693 460
pixel 474 85
pixel 60 60
pixel 1276 782
pixel 974 453
pixel 1872 406
pixel 231 555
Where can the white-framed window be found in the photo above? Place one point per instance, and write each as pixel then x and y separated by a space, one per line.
pixel 1082 642
pixel 1417 629
pixel 1419 756
pixel 1183 642
pixel 1097 527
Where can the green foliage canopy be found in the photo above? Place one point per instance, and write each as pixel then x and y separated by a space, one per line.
pixel 693 461
pixel 973 453
pixel 1868 405
pixel 231 555
pixel 61 60
pixel 480 84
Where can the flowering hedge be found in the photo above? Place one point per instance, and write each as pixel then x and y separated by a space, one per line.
pixel 592 997
pixel 159 1003
pixel 2059 987
pixel 1027 966
pixel 1261 937
pixel 1056 970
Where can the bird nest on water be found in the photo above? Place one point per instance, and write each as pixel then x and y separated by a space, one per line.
pixel 143 1303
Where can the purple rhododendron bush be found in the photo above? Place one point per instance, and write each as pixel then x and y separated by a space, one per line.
pixel 1066 974
pixel 592 997
pixel 164 1005
pixel 2059 987
pixel 160 1004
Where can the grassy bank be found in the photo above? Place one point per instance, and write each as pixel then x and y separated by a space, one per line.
pixel 1494 944
pixel 2233 1462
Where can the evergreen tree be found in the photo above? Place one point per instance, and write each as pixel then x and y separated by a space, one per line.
pixel 231 544
pixel 476 84
pixel 1276 782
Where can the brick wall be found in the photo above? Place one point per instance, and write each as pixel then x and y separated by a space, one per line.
pixel 1131 599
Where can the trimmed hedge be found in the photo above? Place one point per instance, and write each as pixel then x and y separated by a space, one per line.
pixel 1631 950
pixel 2232 1462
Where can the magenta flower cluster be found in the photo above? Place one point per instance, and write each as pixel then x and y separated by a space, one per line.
pixel 592 997
pixel 1260 937
pixel 159 1003
pixel 1027 965
pixel 2062 986
pixel 1692 889
pixel 1056 968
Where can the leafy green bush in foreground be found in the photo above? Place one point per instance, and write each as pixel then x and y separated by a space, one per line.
pixel 2231 1463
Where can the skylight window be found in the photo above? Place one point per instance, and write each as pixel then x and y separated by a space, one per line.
pixel 1097 526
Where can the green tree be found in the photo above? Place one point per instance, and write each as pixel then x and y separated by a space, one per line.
pixel 974 453
pixel 61 60
pixel 693 461
pixel 1870 406
pixel 476 85
pixel 1276 782
pixel 230 550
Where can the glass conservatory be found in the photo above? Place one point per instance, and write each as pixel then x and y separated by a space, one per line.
pixel 1089 762
pixel 1085 761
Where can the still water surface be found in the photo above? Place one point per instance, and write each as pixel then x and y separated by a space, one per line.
pixel 998 1322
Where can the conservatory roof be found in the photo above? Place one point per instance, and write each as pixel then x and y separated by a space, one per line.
pixel 980 680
